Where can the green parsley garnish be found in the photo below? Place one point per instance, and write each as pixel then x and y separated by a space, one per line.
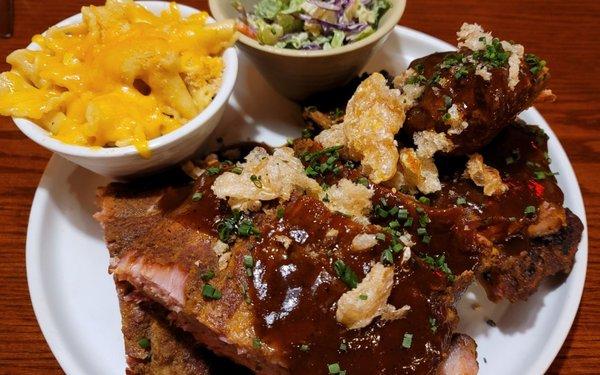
pixel 213 171
pixel 345 273
pixel 210 292
pixel 407 340
pixel 144 343
pixel 197 196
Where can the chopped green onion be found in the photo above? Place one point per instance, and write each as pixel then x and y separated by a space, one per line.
pixel 530 210
pixel 363 297
pixel 334 369
pixel 213 171
pixel 256 343
pixel 280 212
pixel 237 170
pixel 257 180
pixel 407 340
pixel 461 201
pixel 345 273
pixel 208 275
pixel 144 343
pixel 387 257
pixel 197 196
pixel 363 181
pixel 210 292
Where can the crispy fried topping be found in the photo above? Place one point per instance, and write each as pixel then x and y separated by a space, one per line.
pixel 363 241
pixel 264 177
pixel 350 198
pixel 355 311
pixel 485 176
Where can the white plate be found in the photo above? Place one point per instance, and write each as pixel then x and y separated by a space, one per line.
pixel 74 297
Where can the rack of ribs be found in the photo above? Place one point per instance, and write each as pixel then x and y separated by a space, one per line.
pixel 347 251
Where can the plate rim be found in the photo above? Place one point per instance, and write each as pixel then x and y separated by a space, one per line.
pixel 70 364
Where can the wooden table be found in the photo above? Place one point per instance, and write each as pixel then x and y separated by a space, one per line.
pixel 565 33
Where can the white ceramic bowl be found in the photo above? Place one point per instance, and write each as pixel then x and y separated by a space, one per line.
pixel 169 149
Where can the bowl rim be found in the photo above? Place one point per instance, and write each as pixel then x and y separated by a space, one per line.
pixel 42 137
pixel 395 14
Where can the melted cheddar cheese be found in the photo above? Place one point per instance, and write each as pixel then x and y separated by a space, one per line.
pixel 121 77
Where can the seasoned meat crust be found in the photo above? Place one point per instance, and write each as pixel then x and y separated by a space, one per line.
pixel 516 276
pixel 166 260
pixel 154 346
pixel 486 106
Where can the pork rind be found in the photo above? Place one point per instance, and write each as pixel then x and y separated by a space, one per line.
pixel 364 241
pixel 485 176
pixel 264 177
pixel 350 199
pixel 358 307
pixel 417 172
pixel 429 142
pixel 373 117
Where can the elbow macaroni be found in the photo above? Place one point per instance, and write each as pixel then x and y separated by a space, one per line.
pixel 122 76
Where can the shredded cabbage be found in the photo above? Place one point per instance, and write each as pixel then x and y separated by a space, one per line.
pixel 313 24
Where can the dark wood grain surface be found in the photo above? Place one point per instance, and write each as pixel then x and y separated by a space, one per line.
pixel 566 33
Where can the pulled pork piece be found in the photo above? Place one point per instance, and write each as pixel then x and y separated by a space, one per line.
pixel 481 88
pixel 264 177
pixel 485 176
pixel 358 307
